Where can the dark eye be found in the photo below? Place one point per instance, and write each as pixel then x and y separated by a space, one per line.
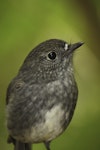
pixel 52 55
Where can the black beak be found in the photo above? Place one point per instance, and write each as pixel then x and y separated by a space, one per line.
pixel 72 47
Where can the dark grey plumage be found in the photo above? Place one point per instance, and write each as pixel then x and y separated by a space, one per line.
pixel 42 97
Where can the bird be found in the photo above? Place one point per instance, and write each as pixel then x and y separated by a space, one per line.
pixel 41 98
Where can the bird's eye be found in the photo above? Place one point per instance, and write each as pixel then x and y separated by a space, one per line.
pixel 52 55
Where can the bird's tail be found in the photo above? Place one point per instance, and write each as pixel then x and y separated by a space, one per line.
pixel 19 145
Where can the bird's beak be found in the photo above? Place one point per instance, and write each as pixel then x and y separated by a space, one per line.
pixel 74 46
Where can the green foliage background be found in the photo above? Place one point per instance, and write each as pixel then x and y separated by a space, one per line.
pixel 24 24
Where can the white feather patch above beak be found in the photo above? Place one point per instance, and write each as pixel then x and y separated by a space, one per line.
pixel 66 47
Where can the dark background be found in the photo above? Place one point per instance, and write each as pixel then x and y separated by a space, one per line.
pixel 26 23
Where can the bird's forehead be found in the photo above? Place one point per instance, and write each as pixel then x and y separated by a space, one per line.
pixel 54 44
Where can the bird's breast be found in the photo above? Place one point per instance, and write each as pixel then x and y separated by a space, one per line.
pixel 49 129
pixel 44 114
